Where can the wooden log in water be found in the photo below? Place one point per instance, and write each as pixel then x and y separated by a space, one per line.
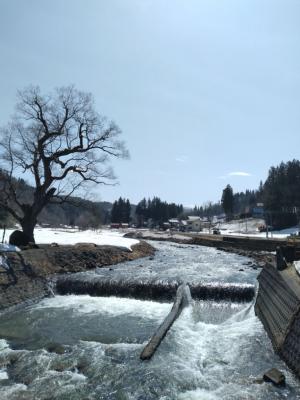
pixel 183 297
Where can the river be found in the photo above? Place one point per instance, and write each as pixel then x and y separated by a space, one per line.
pixel 82 347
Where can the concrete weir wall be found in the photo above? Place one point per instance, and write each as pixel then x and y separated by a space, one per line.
pixel 278 307
pixel 161 290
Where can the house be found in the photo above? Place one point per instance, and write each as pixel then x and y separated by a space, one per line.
pixel 115 225
pixel 194 223
pixel 206 223
pixel 221 217
pixel 174 223
pixel 183 226
pixel 258 212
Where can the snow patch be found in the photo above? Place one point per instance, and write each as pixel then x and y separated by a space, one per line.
pixel 3 375
pixel 8 247
pixel 249 227
pixel 71 236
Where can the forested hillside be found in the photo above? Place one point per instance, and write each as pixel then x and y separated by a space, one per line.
pixel 157 211
pixel 279 195
pixel 77 212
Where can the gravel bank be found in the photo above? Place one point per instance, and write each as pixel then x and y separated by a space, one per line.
pixel 32 269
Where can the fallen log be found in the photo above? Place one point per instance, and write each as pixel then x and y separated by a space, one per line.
pixel 183 298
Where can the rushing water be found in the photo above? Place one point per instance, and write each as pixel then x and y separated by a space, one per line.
pixel 186 263
pixel 82 347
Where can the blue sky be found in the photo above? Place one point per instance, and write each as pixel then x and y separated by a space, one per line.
pixel 206 92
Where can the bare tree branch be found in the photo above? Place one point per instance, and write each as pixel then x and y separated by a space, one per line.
pixel 57 138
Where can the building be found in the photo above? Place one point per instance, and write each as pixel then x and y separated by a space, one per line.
pixel 258 212
pixel 194 223
pixel 174 223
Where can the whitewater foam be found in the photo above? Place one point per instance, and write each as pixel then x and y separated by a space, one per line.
pixel 115 306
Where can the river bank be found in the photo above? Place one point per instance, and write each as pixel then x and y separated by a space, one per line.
pixel 260 250
pixel 32 269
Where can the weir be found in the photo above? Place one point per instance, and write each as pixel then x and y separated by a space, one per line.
pixel 151 289
pixel 154 289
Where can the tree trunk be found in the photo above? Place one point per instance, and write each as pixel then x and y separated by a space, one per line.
pixel 28 224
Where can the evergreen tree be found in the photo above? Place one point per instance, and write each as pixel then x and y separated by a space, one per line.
pixel 157 210
pixel 281 194
pixel 114 213
pixel 227 201
pixel 121 211
pixel 141 212
pixel 127 211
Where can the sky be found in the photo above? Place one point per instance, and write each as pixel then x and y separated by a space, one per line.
pixel 206 92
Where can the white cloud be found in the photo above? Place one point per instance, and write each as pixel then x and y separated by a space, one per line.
pixel 235 173
pixel 239 173
pixel 181 159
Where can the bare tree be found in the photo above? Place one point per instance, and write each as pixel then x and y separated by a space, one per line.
pixel 62 143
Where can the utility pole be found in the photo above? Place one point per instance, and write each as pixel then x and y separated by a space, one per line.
pixel 3 236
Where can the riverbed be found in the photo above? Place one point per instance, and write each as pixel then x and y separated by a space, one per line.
pixel 83 347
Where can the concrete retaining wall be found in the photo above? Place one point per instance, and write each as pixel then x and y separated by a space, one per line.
pixel 239 242
pixel 278 307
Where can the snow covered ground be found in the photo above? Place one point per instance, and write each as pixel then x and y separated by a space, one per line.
pixel 72 236
pixel 249 227
pixel 115 237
